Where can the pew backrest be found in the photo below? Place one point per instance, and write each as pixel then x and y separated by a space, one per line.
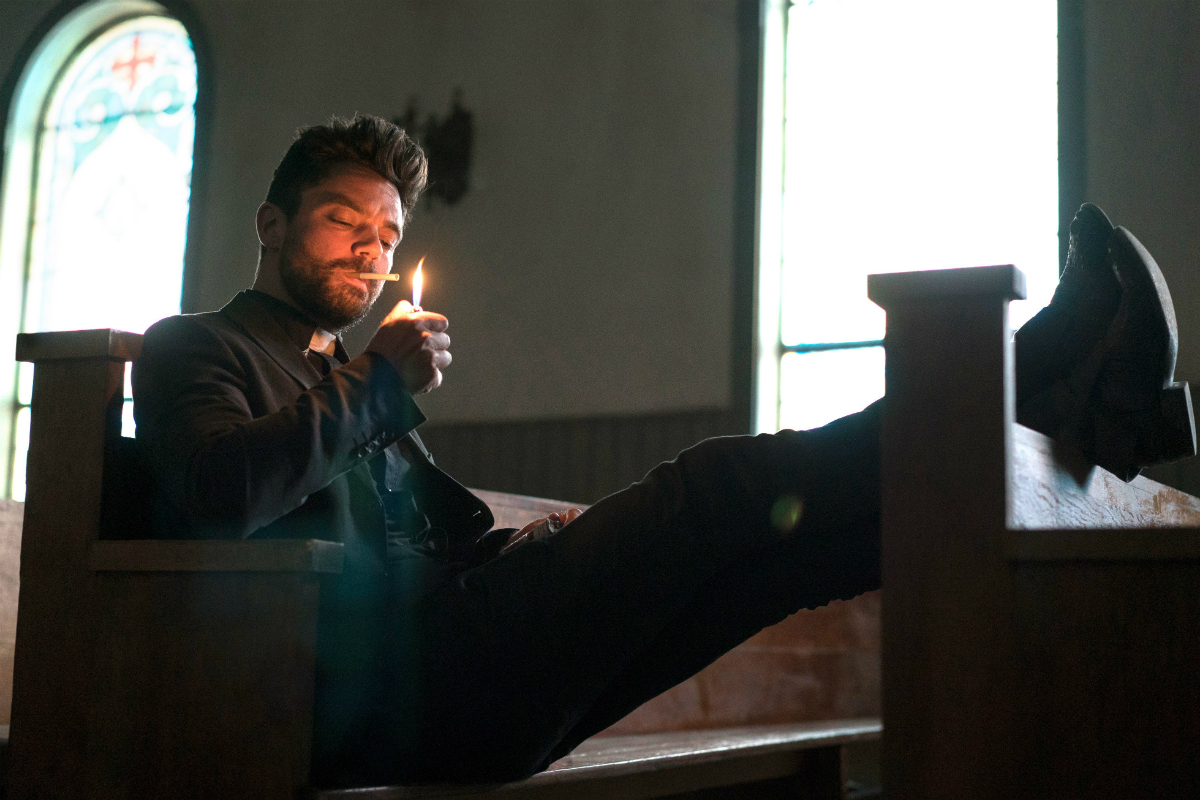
pixel 1041 624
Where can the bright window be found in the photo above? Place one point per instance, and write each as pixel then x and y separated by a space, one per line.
pixel 110 193
pixel 915 135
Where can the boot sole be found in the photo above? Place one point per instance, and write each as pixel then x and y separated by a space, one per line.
pixel 1135 265
pixel 1171 427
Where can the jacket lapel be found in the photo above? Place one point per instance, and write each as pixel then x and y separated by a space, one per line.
pixel 413 448
pixel 272 338
pixel 453 504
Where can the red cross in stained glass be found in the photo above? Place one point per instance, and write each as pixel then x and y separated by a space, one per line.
pixel 134 62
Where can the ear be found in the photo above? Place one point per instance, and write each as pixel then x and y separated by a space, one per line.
pixel 272 226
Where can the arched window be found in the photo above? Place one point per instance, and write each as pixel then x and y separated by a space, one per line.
pixel 98 170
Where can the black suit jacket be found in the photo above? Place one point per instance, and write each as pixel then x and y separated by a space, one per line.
pixel 244 438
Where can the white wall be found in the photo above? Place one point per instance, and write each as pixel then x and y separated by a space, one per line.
pixel 588 270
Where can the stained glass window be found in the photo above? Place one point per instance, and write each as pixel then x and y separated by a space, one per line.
pixel 909 136
pixel 111 192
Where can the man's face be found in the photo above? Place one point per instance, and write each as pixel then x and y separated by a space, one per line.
pixel 351 222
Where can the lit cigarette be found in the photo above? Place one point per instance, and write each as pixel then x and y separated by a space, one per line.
pixel 375 276
pixel 418 285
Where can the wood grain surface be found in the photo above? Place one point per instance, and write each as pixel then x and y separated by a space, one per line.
pixel 72 414
pixel 1041 631
pixel 57 345
pixel 1148 544
pixel 202 685
pixel 1053 487
pixel 655 765
pixel 177 680
pixel 11 513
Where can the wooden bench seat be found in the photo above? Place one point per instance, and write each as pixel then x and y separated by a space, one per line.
pixel 803 760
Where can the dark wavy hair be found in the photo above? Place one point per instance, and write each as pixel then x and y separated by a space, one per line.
pixel 366 141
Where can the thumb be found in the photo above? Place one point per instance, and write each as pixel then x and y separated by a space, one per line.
pixel 401 309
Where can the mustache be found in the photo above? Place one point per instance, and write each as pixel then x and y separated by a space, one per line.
pixel 350 265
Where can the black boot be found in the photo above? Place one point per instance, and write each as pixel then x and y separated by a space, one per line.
pixel 1096 367
pixel 1059 352
pixel 1138 415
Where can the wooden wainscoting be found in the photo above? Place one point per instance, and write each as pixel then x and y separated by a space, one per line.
pixel 580 460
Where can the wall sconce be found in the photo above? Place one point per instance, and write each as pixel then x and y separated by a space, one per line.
pixel 447 145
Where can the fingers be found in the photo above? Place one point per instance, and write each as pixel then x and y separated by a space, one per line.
pixel 399 311
pixel 416 344
pixel 521 535
pixel 429 321
pixel 527 528
pixel 434 352
pixel 435 341
pixel 421 370
pixel 422 320
pixel 565 517
pixel 557 518
pixel 421 379
pixel 418 320
pixel 514 541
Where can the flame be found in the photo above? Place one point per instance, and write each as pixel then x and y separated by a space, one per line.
pixel 418 284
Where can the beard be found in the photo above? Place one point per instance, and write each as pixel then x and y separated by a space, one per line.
pixel 319 290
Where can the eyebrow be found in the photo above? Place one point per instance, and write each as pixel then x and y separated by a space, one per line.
pixel 327 196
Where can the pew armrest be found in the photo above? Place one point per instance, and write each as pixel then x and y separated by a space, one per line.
pixel 278 555
pixel 59 345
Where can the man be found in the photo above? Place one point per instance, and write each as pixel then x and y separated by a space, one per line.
pixel 450 652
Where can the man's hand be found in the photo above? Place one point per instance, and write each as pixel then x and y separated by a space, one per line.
pixel 416 344
pixel 552 523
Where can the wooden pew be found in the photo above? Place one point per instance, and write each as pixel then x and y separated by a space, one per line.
pixel 151 668
pixel 1041 618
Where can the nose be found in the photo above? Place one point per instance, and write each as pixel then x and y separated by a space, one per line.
pixel 369 245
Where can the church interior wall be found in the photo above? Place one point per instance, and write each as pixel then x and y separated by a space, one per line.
pixel 589 270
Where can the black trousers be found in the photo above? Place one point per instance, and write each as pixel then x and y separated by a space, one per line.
pixel 494 672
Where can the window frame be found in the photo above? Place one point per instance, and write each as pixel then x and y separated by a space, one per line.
pixel 25 94
pixel 768 342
